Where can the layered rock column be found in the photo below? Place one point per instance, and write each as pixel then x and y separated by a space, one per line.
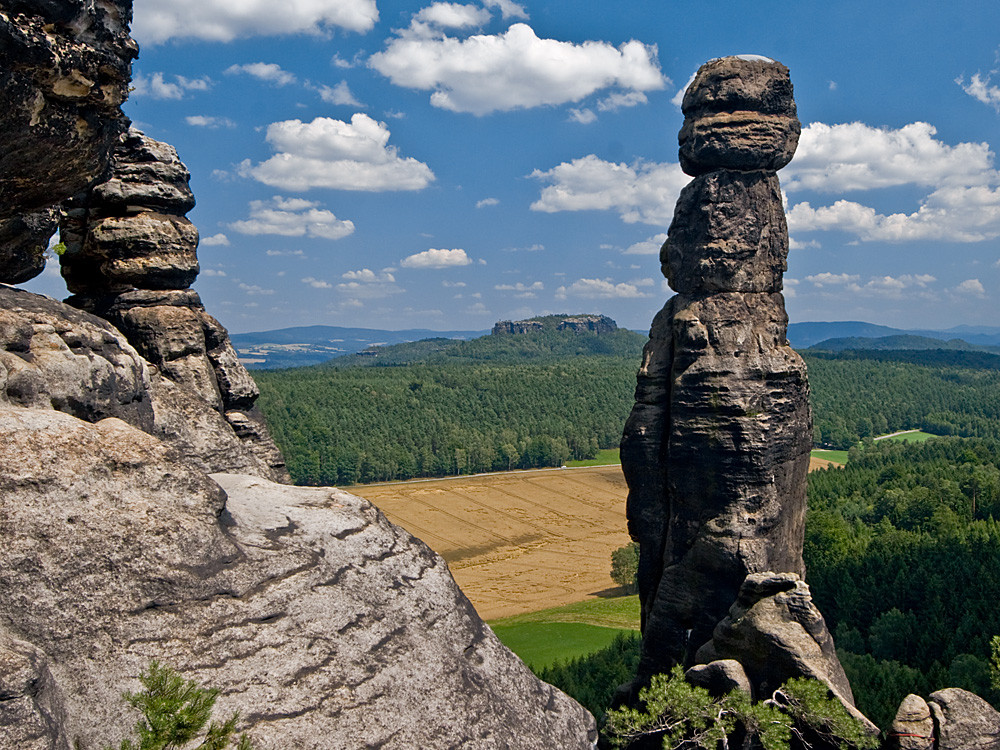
pixel 716 449
pixel 131 258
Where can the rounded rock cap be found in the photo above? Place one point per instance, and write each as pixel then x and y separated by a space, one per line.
pixel 739 113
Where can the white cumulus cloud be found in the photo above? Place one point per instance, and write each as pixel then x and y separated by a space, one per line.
pixel 368 276
pixel 979 87
pixel 317 283
pixel 156 86
pixel 487 202
pixel 269 72
pixel 340 95
pixel 218 239
pixel 452 15
pixel 292 217
pixel 156 21
pixel 437 258
pixel 642 191
pixel 204 121
pixel 649 246
pixel 970 288
pixel 856 156
pixel 599 289
pixel 328 153
pixel 522 290
pixel 514 70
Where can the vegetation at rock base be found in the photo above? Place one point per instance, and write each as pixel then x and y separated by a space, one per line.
pixel 625 567
pixel 530 400
pixel 903 557
pixel 592 680
pixel 688 717
pixel 174 713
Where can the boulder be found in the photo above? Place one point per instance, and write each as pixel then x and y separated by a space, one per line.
pixel 23 242
pixel 964 721
pixel 776 633
pixel 719 677
pixel 913 727
pixel 739 113
pixel 322 623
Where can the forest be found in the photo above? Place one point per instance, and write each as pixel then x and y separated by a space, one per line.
pixel 440 407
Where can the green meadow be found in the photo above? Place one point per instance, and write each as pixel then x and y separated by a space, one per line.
pixel 563 633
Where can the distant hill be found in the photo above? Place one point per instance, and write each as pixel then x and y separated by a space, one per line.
pixel 805 335
pixel 899 342
pixel 312 345
pixel 539 340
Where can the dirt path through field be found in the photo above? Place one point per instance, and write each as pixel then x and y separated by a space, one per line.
pixel 519 541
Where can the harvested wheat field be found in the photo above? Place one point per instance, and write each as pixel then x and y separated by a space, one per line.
pixel 519 541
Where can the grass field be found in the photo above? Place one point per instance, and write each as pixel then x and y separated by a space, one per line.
pixel 917 436
pixel 832 457
pixel 604 457
pixel 519 541
pixel 540 644
pixel 562 633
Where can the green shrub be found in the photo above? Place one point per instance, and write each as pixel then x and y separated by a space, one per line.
pixel 625 566
pixel 685 716
pixel 174 712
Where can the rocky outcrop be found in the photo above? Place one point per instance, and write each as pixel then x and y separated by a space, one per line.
pixel 776 633
pixel 502 327
pixel 322 623
pixel 952 719
pixel 716 449
pixel 913 727
pixel 64 70
pixel 588 323
pixel 130 258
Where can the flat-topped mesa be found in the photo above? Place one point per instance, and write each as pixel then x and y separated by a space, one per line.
pixel 716 449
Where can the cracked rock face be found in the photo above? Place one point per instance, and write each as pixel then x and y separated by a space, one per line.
pixel 64 70
pixel 716 449
pixel 322 623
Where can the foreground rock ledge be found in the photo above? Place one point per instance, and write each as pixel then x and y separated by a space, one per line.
pixel 321 622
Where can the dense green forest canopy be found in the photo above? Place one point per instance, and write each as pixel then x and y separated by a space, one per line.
pixel 903 559
pixel 440 407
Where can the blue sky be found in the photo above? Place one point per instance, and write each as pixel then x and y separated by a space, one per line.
pixel 393 164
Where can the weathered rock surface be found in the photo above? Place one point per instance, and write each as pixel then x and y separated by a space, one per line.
pixel 130 258
pixel 964 721
pixel 720 677
pixel 739 113
pixel 502 327
pixel 728 234
pixel 716 449
pixel 64 70
pixel 322 623
pixel 913 727
pixel 588 323
pixel 53 356
pixel 23 242
pixel 776 633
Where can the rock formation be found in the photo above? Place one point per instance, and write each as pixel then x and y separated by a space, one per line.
pixel 716 449
pixel 64 72
pixel 952 719
pixel 598 324
pixel 322 623
pixel 502 327
pixel 588 323
pixel 130 258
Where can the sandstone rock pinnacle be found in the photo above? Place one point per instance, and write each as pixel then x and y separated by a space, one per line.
pixel 716 449
pixel 130 258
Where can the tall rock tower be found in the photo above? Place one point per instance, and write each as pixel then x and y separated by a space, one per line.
pixel 716 449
